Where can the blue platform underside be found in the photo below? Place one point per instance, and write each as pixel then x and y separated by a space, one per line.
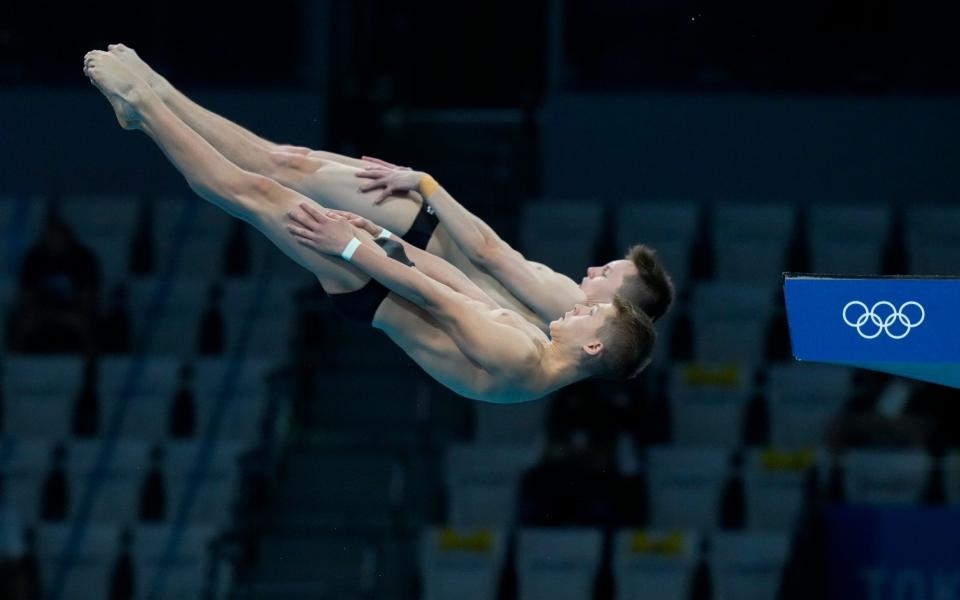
pixel 905 326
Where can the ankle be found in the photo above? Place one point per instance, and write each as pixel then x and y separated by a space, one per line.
pixel 137 95
pixel 162 88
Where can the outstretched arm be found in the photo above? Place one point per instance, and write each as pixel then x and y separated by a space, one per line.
pixel 545 291
pixel 430 265
pixel 497 348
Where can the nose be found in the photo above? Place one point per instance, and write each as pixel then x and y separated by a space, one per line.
pixel 590 271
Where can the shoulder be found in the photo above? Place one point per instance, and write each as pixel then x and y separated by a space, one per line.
pixel 521 358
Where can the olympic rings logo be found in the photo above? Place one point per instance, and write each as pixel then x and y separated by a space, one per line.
pixel 883 317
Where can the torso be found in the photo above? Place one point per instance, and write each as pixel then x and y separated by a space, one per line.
pixel 443 246
pixel 422 338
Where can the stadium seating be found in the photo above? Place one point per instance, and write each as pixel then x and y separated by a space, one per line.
pixel 562 235
pixel 461 563
pixel 654 565
pixel 557 563
pixel 685 486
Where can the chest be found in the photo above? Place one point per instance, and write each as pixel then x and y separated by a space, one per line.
pixel 512 319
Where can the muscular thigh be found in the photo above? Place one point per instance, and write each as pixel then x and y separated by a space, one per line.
pixel 336 185
pixel 270 217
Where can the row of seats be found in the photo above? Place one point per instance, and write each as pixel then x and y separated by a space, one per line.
pixel 564 564
pixel 108 554
pixel 685 487
pixel 43 481
pixel 41 395
pixel 188 313
pixel 750 241
pixel 707 402
pixel 200 236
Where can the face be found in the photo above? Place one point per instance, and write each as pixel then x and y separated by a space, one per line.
pixel 602 282
pixel 580 326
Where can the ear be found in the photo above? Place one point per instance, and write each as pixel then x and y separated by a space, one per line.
pixel 593 348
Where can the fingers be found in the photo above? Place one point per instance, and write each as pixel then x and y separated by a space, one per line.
pixel 386 193
pixel 372 185
pixel 372 173
pixel 343 214
pixel 313 212
pixel 300 233
pixel 302 220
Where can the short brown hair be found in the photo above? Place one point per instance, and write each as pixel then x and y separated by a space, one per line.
pixel 628 340
pixel 651 289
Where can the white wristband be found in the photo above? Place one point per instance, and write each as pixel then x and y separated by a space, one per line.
pixel 350 248
pixel 384 234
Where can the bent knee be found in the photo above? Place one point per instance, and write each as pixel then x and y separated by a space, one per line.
pixel 290 167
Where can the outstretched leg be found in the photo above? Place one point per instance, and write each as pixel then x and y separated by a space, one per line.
pixel 256 199
pixel 324 177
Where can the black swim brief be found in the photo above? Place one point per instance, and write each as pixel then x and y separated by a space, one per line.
pixel 421 231
pixel 362 304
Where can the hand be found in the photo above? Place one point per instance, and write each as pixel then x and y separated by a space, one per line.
pixel 355 220
pixel 393 182
pixel 318 231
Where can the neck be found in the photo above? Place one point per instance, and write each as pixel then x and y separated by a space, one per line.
pixel 560 365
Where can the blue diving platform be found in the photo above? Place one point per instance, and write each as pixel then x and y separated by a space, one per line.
pixel 903 325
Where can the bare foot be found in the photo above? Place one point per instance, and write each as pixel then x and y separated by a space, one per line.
pixel 117 83
pixel 140 68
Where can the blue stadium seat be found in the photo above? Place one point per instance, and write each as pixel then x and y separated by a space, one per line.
pixel 685 486
pixel 118 493
pixel 89 576
pixel 774 484
pixel 748 565
pixel 557 563
pixel 707 403
pixel 518 423
pixel 802 398
pixel 730 321
pixel 933 239
pixel 39 392
pixel 848 239
pixel 654 565
pixel 482 482
pixel 185 574
pixel 668 227
pixel 23 472
pixel 561 234
pixel 463 564
pixel 106 224
pixel 885 477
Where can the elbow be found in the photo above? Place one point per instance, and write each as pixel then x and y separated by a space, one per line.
pixel 486 253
